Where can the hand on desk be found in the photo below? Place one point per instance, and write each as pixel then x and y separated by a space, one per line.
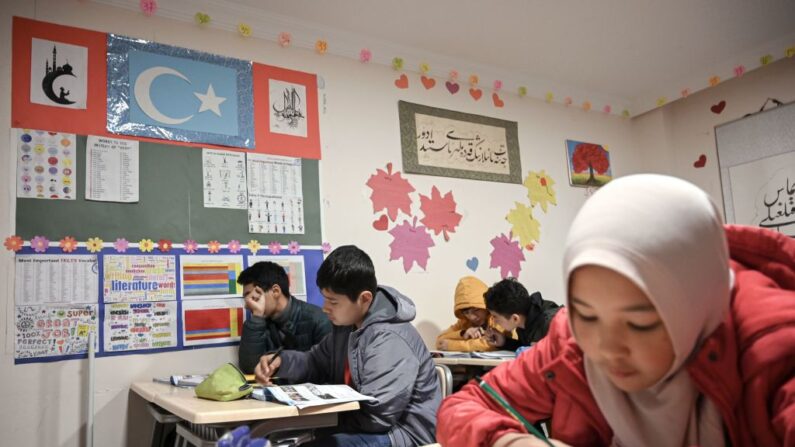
pixel 473 332
pixel 266 369
pixel 441 345
pixel 494 338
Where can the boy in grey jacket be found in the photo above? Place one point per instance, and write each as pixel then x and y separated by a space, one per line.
pixel 374 349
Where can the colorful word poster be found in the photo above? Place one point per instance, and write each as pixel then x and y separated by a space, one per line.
pixel 49 331
pixel 210 276
pixel 275 195
pixel 60 279
pixel 139 278
pixel 46 165
pixel 111 170
pixel 224 179
pixel 138 326
pixel 212 321
pixel 294 266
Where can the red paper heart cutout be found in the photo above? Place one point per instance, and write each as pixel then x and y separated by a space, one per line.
pixel 452 87
pixel 427 82
pixel 701 162
pixel 402 81
pixel 718 108
pixel 476 93
pixel 497 101
pixel 381 224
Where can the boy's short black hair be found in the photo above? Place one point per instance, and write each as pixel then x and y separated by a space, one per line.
pixel 348 271
pixel 509 297
pixel 265 274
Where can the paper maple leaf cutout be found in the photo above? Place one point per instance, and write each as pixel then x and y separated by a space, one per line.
pixel 523 225
pixel 539 189
pixel 411 242
pixel 390 192
pixel 440 215
pixel 506 255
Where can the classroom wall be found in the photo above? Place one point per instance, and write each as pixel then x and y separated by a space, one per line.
pixel 670 139
pixel 44 404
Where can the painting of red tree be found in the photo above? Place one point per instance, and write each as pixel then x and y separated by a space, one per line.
pixel 589 164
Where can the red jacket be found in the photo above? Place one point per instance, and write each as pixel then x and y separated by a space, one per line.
pixel 747 366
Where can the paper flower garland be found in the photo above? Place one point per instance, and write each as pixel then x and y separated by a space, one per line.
pixel 233 246
pixel 365 55
pixel 68 244
pixel 293 247
pixel 586 105
pixel 213 246
pixel 549 97
pixel 625 113
pixel 190 246
pixel 148 7
pixel 146 245
pixel 164 245
pixel 766 59
pixel 685 92
pixel 326 247
pixel 254 246
pixel 285 39
pixel 714 80
pixel 94 244
pixel 661 101
pixel 607 109
pixel 201 18
pixel 321 46
pixel 453 75
pixel 567 101
pixel 522 91
pixel 244 30
pixel 397 63
pixel 473 80
pixel 14 243
pixel 39 244
pixel 121 245
pixel 739 70
pixel 425 68
pixel 497 85
pixel 275 248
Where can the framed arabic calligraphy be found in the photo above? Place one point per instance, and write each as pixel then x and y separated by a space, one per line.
pixel 455 144
pixel 756 157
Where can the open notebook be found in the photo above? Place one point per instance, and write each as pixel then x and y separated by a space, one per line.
pixel 309 395
pixel 474 355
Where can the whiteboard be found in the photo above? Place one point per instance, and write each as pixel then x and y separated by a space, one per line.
pixel 756 157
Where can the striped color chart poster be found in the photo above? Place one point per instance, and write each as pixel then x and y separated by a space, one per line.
pixel 210 276
pixel 212 321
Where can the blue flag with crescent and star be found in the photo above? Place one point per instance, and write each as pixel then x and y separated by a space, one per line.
pixel 173 93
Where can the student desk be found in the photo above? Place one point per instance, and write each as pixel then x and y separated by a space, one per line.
pixel 203 420
pixel 467 361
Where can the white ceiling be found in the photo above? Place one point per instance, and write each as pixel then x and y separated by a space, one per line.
pixel 624 51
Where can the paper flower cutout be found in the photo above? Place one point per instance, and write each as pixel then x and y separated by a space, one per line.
pixel 390 191
pixel 148 7
pixel 254 246
pixel 146 245
pixel 473 80
pixel 321 46
pixel 14 243
pixel 567 101
pixel 739 70
pixel 790 52
pixel 275 247
pixel 766 59
pixel 233 246
pixel 586 105
pixel 714 80
pixel 453 75
pixel 607 109
pixel 293 247
pixel 425 68
pixel 39 244
pixel 164 245
pixel 497 85
pixel 540 189
pixel 549 97
pixel 121 245
pixel 213 246
pixel 685 92
pixel 625 113
pixel 397 63
pixel 326 247
pixel 661 101
pixel 201 18
pixel 284 39
pixel 506 255
pixel 94 244
pixel 244 30
pixel 522 91
pixel 68 244
pixel 411 243
pixel 523 225
pixel 365 55
pixel 440 213
pixel 190 246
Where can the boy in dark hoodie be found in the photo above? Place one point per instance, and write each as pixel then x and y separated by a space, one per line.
pixel 515 309
pixel 374 349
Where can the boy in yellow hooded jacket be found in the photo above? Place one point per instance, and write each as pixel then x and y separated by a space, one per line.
pixel 467 334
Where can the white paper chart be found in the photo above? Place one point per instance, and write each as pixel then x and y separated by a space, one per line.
pixel 136 326
pixel 112 170
pixel 275 195
pixel 56 279
pixel 224 174
pixel 46 165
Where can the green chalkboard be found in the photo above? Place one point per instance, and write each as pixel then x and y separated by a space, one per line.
pixel 171 206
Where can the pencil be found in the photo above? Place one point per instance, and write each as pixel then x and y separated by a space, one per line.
pixel 510 410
